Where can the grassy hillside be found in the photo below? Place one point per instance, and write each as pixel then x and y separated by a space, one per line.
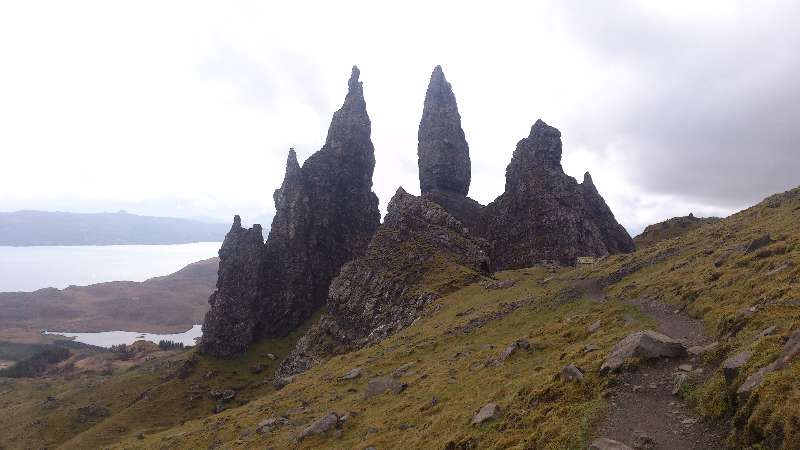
pixel 448 357
pixel 671 228
pixel 445 355
pixel 717 274
pixel 167 304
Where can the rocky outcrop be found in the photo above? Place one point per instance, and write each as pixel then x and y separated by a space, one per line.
pixel 545 214
pixel 647 344
pixel 443 154
pixel 442 150
pixel 419 253
pixel 326 214
pixel 671 228
pixel 229 326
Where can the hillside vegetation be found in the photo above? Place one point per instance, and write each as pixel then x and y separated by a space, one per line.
pixel 447 365
pixel 670 228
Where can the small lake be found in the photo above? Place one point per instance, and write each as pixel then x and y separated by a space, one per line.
pixel 109 338
pixel 32 268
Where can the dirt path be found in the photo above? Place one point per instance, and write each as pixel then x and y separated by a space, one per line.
pixel 644 413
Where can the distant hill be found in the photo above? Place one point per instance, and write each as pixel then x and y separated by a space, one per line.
pixel 670 228
pixel 27 228
pixel 171 303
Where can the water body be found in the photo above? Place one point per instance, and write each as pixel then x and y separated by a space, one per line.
pixel 32 268
pixel 109 338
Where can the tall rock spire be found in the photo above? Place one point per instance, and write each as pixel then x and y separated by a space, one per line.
pixel 443 153
pixel 325 215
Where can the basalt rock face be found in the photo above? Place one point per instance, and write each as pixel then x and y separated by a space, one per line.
pixel 326 214
pixel 442 150
pixel 443 153
pixel 545 214
pixel 419 253
pixel 230 325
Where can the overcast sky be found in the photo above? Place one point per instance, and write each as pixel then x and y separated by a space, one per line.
pixel 188 108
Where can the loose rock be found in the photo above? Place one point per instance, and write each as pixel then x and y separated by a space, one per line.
pixel 489 411
pixel 320 426
pixel 381 385
pixel 571 373
pixel 352 374
pixel 732 365
pixel 643 344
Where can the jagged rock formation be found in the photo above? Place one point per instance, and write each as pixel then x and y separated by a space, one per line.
pixel 671 228
pixel 545 214
pixel 419 253
pixel 326 214
pixel 229 324
pixel 443 152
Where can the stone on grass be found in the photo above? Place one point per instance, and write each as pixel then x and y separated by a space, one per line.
pixel 732 365
pixel 571 373
pixel 489 411
pixel 352 374
pixel 646 344
pixel 594 327
pixel 320 426
pixel 266 426
pixel 381 385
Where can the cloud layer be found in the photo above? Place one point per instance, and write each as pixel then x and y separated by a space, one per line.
pixel 188 108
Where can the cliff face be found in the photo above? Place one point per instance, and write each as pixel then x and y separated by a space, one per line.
pixel 230 324
pixel 326 214
pixel 443 153
pixel 419 253
pixel 442 150
pixel 545 214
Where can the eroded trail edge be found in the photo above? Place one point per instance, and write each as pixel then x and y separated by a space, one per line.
pixel 646 408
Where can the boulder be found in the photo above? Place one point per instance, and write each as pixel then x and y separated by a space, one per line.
pixel 646 344
pixel 512 348
pixel 757 243
pixel 731 366
pixel 382 385
pixel 320 426
pixel 489 411
pixel 352 374
pixel 266 426
pixel 571 373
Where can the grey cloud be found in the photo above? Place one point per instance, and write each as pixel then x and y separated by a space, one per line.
pixel 716 106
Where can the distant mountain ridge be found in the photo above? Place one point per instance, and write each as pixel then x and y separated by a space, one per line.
pixel 31 228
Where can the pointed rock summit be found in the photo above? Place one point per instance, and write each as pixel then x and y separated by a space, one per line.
pixel 326 214
pixel 545 214
pixel 443 153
